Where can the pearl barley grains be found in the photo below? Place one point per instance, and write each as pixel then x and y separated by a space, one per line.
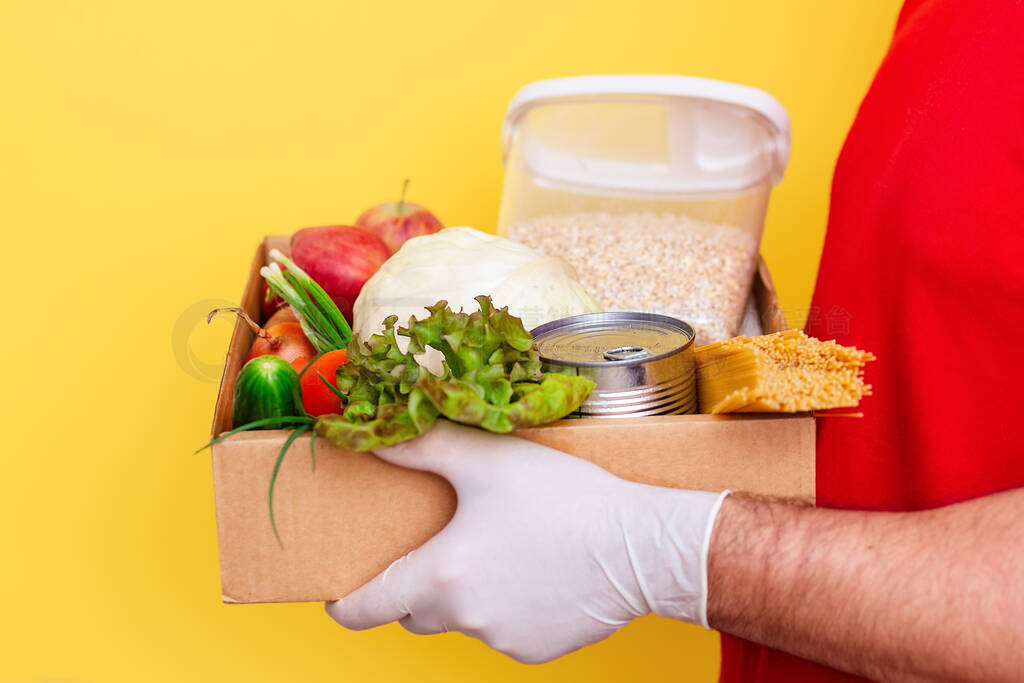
pixel 663 263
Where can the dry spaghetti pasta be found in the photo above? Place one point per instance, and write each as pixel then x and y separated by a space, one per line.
pixel 784 372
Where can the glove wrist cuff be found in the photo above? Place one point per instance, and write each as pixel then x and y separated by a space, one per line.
pixel 674 577
pixel 704 552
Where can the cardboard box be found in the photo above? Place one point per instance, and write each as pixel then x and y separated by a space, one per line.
pixel 350 518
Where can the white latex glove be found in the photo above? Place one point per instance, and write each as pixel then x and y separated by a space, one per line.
pixel 546 552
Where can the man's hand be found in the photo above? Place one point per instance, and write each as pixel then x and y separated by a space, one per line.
pixel 546 552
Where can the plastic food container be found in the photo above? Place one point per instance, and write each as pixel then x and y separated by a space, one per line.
pixel 654 188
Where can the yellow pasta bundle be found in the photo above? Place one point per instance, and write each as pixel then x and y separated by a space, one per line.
pixel 784 372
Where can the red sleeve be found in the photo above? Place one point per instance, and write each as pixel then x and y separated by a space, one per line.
pixel 923 265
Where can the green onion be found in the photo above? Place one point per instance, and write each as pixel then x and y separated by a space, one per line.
pixel 316 319
pixel 330 386
pixel 273 479
pixel 318 315
pixel 258 424
pixel 320 297
pixel 312 449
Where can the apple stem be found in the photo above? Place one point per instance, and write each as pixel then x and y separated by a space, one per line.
pixel 401 200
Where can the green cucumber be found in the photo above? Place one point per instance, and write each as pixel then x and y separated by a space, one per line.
pixel 267 387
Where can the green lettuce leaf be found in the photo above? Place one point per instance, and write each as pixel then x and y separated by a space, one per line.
pixel 491 378
pixel 534 403
pixel 393 423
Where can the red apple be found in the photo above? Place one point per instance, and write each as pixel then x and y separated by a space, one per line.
pixel 341 258
pixel 395 222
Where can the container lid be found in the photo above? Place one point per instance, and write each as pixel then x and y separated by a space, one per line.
pixel 611 338
pixel 649 133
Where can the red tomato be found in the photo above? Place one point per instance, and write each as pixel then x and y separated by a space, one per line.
pixel 317 397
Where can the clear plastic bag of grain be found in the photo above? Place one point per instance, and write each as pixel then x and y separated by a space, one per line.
pixel 665 263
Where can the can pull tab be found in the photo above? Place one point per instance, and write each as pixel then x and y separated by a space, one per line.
pixel 626 353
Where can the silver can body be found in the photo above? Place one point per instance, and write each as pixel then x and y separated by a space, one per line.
pixel 641 363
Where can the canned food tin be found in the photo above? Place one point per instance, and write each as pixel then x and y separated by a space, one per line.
pixel 641 363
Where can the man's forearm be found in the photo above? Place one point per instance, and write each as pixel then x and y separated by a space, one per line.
pixel 934 595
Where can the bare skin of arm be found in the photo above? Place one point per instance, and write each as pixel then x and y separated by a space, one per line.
pixel 936 595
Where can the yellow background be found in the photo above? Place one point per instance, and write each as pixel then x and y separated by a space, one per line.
pixel 145 147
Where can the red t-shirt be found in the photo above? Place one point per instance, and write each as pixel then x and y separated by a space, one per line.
pixel 923 265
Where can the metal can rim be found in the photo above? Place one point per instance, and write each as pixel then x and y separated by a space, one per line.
pixel 638 316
